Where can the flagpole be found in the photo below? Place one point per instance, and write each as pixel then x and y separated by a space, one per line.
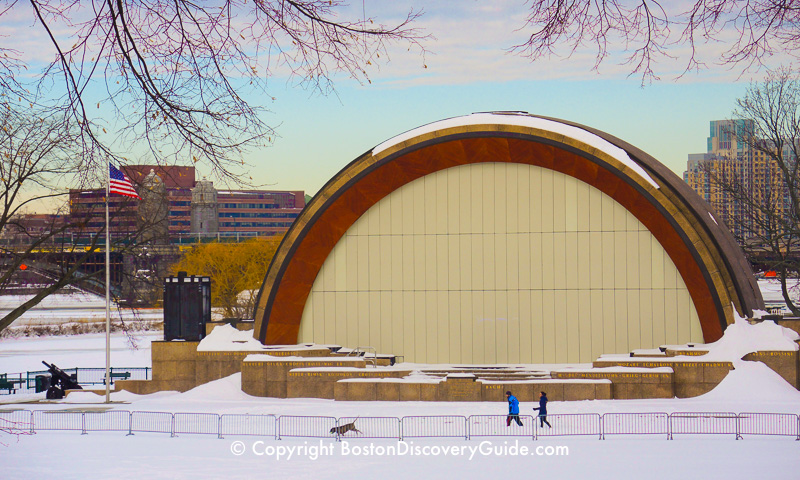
pixel 108 286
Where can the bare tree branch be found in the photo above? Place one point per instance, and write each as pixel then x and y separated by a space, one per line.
pixel 758 190
pixel 173 70
pixel 751 30
pixel 166 76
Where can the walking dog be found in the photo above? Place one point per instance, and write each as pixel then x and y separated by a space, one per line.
pixel 347 427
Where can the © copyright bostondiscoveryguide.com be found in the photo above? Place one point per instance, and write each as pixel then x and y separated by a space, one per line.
pixel 400 449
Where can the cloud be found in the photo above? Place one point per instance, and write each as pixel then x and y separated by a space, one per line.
pixel 473 40
pixel 471 45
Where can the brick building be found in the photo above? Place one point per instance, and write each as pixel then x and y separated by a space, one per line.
pixel 239 212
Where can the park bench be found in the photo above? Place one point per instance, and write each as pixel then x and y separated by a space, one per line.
pixel 9 384
pixel 118 376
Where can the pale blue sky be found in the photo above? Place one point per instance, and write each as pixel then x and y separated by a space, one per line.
pixel 320 135
pixel 468 69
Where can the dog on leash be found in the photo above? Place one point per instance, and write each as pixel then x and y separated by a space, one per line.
pixel 347 427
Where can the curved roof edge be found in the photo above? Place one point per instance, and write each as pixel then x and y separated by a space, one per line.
pixel 521 119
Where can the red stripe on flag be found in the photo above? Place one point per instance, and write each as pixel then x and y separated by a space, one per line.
pixel 120 184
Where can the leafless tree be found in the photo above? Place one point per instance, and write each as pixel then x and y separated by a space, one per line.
pixel 761 188
pixel 170 75
pixel 37 152
pixel 648 31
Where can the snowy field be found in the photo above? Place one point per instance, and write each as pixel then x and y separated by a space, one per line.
pixel 78 307
pixel 751 387
pixel 27 353
pixel 116 455
pixel 69 455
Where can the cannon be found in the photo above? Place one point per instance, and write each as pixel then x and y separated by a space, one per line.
pixel 60 382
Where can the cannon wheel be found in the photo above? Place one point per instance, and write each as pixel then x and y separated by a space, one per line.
pixel 54 393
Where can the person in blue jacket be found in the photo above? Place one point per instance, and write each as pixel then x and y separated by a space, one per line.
pixel 543 410
pixel 513 409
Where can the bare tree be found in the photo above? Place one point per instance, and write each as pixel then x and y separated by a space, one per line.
pixel 758 192
pixel 649 31
pixel 169 74
pixel 37 152
pixel 166 76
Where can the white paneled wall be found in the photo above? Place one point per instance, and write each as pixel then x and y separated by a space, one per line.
pixel 497 262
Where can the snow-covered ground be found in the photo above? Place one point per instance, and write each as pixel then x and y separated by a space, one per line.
pixel 773 295
pixel 115 455
pixel 27 353
pixel 750 388
pixel 107 456
pixel 78 307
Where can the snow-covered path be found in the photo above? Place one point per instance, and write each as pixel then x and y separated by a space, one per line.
pixel 112 455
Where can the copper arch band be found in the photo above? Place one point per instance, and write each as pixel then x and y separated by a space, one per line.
pixel 299 268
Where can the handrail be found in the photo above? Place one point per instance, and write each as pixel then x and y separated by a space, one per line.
pixel 362 351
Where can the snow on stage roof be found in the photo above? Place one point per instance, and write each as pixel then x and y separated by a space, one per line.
pixel 522 120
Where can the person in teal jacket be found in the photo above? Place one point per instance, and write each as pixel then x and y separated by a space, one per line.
pixel 513 409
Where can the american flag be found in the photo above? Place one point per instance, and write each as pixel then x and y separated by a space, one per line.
pixel 119 183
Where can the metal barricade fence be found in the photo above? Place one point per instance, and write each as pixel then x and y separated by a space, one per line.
pixel 434 426
pixel 90 376
pixel 703 423
pixel 152 422
pixel 108 421
pixel 654 423
pixel 244 424
pixel 570 424
pixel 97 376
pixel 442 426
pixel 369 427
pixel 57 420
pixel 316 427
pixel 498 426
pixel 785 424
pixel 196 423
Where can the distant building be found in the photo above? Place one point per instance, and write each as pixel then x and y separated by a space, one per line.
pixel 205 211
pixel 260 212
pixel 729 161
pixel 194 208
pixel 21 228
pixel 152 211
